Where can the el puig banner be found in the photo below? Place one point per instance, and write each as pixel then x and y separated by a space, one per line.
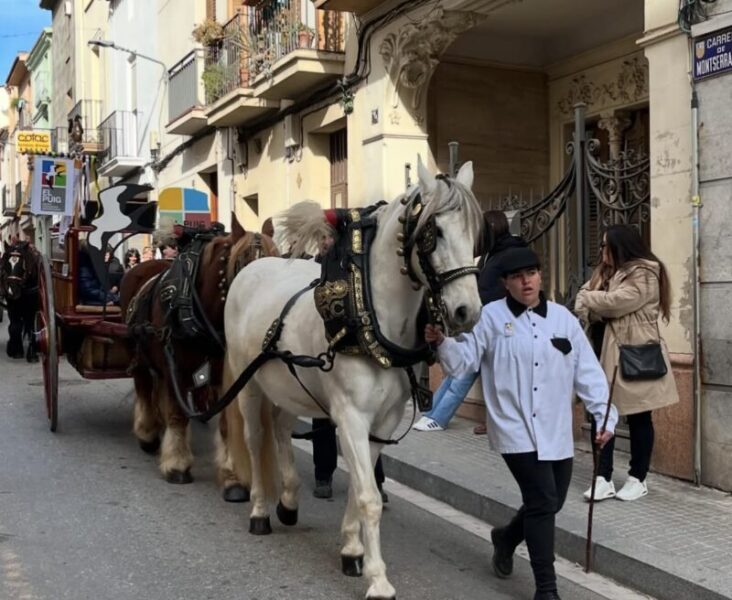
pixel 53 186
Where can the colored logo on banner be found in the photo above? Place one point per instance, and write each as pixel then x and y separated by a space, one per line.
pixel 184 206
pixel 52 187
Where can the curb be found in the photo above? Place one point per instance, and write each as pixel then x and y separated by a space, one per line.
pixel 626 570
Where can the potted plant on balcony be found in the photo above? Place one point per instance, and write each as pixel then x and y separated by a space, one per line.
pixel 305 35
pixel 209 33
pixel 214 79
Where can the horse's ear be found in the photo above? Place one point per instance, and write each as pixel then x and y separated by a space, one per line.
pixel 237 231
pixel 426 179
pixel 465 175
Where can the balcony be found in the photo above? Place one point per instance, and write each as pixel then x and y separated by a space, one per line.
pixel 358 7
pixel 90 112
pixel 118 134
pixel 186 95
pixel 269 53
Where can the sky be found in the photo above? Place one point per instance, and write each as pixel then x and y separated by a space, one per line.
pixel 21 22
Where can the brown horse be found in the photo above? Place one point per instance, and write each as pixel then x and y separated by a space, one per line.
pixel 158 417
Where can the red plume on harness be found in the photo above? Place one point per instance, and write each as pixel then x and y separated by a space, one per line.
pixel 333 218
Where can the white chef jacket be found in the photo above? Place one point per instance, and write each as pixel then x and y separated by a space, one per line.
pixel 528 383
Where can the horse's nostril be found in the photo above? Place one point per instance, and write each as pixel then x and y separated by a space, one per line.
pixel 461 313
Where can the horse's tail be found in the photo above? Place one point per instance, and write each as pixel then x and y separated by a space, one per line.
pixel 241 460
pixel 301 227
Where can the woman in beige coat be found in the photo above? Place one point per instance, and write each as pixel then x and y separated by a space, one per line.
pixel 629 291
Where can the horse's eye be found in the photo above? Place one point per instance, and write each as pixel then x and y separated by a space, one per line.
pixel 439 232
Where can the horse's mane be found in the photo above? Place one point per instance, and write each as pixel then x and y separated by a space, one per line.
pixel 245 244
pixel 455 197
pixel 303 224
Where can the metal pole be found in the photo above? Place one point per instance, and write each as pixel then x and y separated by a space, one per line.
pixel 453 148
pixel 579 186
pixel 696 275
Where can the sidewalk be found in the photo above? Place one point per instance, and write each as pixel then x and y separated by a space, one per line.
pixel 676 543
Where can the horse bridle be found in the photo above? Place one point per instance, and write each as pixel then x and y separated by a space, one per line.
pixel 425 242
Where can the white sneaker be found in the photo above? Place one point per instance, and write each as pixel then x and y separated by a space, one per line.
pixel 604 489
pixel 633 489
pixel 427 424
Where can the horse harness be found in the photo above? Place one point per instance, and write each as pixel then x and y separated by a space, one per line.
pixel 184 314
pixel 343 299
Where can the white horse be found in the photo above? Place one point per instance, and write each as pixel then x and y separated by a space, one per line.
pixel 360 396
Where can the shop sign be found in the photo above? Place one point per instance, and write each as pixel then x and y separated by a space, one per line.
pixel 34 142
pixel 713 54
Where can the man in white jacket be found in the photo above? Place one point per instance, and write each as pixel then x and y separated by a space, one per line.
pixel 533 358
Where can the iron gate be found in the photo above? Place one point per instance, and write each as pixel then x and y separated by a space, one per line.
pixel 563 226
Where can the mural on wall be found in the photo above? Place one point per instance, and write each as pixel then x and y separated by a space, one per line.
pixel 411 54
pixel 625 83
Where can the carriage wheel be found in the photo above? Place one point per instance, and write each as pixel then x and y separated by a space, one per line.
pixel 46 336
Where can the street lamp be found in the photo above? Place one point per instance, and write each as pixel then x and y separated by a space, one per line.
pixel 112 45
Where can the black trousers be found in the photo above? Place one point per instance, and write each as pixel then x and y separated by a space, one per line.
pixel 325 452
pixel 544 485
pixel 642 436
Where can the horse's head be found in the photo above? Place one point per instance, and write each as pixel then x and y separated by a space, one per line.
pixel 442 222
pixel 223 257
pixel 17 268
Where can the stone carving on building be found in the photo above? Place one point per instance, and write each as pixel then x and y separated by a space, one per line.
pixel 412 54
pixel 630 85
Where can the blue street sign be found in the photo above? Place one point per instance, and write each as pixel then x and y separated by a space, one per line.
pixel 713 54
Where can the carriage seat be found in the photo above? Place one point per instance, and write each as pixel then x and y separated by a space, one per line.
pixel 97 310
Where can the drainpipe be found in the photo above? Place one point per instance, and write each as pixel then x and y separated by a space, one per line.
pixel 696 274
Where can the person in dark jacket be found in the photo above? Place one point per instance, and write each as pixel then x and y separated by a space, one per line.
pixel 452 391
pixel 91 290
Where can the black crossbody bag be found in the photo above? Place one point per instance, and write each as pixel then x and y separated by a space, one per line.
pixel 641 362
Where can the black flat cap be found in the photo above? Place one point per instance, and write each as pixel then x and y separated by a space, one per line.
pixel 518 259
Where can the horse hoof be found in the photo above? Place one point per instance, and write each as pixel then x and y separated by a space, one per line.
pixel 236 493
pixel 259 526
pixel 176 476
pixel 352 566
pixel 287 516
pixel 150 447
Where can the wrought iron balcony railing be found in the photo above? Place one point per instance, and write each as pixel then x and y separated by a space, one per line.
pixel 259 36
pixel 118 135
pixel 90 112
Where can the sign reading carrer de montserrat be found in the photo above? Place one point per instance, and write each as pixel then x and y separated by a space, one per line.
pixel 52 192
pixel 33 142
pixel 713 54
pixel 184 206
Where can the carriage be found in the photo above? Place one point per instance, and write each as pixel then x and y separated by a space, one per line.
pixel 92 337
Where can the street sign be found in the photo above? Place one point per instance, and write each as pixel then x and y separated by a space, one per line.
pixel 713 54
pixel 34 142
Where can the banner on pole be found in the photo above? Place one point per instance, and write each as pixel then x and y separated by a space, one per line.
pixel 52 191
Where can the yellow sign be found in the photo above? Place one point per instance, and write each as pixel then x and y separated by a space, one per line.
pixel 37 142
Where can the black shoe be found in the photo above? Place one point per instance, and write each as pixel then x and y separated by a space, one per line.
pixel 384 495
pixel 502 556
pixel 547 596
pixel 323 489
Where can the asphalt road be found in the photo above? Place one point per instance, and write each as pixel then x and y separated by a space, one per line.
pixel 84 514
